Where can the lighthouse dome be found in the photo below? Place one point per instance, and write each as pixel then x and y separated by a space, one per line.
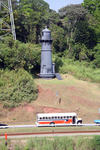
pixel 46 34
pixel 46 30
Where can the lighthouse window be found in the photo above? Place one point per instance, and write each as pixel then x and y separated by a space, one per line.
pixel 44 66
pixel 42 34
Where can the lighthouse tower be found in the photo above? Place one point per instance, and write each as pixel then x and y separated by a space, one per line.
pixel 47 69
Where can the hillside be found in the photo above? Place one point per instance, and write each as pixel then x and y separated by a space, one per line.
pixel 67 95
pixel 75 30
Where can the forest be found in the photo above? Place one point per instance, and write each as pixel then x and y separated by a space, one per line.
pixel 76 45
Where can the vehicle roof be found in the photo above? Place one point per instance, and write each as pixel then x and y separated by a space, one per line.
pixel 55 114
pixel 97 120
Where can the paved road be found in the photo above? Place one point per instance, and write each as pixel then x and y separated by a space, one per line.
pixel 58 125
pixel 44 134
pixel 48 134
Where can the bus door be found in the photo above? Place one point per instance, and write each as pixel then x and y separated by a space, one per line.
pixel 74 120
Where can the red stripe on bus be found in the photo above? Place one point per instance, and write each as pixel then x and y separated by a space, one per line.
pixel 56 121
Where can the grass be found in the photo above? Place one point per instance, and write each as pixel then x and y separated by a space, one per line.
pixel 81 70
pixel 55 81
pixel 54 143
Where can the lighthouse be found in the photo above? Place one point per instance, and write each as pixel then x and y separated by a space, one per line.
pixel 47 69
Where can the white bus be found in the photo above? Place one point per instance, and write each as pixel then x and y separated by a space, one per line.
pixel 57 119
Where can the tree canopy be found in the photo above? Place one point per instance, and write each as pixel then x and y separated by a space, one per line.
pixel 75 28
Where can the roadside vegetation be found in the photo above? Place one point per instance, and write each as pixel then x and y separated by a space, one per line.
pixel 56 143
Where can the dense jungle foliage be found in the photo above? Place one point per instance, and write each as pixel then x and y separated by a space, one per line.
pixel 75 32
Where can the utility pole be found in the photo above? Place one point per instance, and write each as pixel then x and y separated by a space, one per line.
pixel 6 11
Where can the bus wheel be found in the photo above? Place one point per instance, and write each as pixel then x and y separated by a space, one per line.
pixel 52 124
pixel 79 122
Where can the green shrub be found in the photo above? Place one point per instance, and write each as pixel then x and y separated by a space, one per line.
pixel 97 56
pixel 30 145
pixel 14 54
pixel 3 146
pixel 84 143
pixel 62 143
pixel 17 147
pixel 19 87
pixel 57 143
pixel 96 143
pixel 58 62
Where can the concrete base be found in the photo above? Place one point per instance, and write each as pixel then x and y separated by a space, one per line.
pixel 47 75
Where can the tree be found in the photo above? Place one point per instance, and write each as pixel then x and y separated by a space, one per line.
pixel 84 34
pixel 59 41
pixel 94 9
pixel 15 55
pixel 53 18
pixel 80 52
pixel 78 30
pixel 70 15
pixel 30 19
